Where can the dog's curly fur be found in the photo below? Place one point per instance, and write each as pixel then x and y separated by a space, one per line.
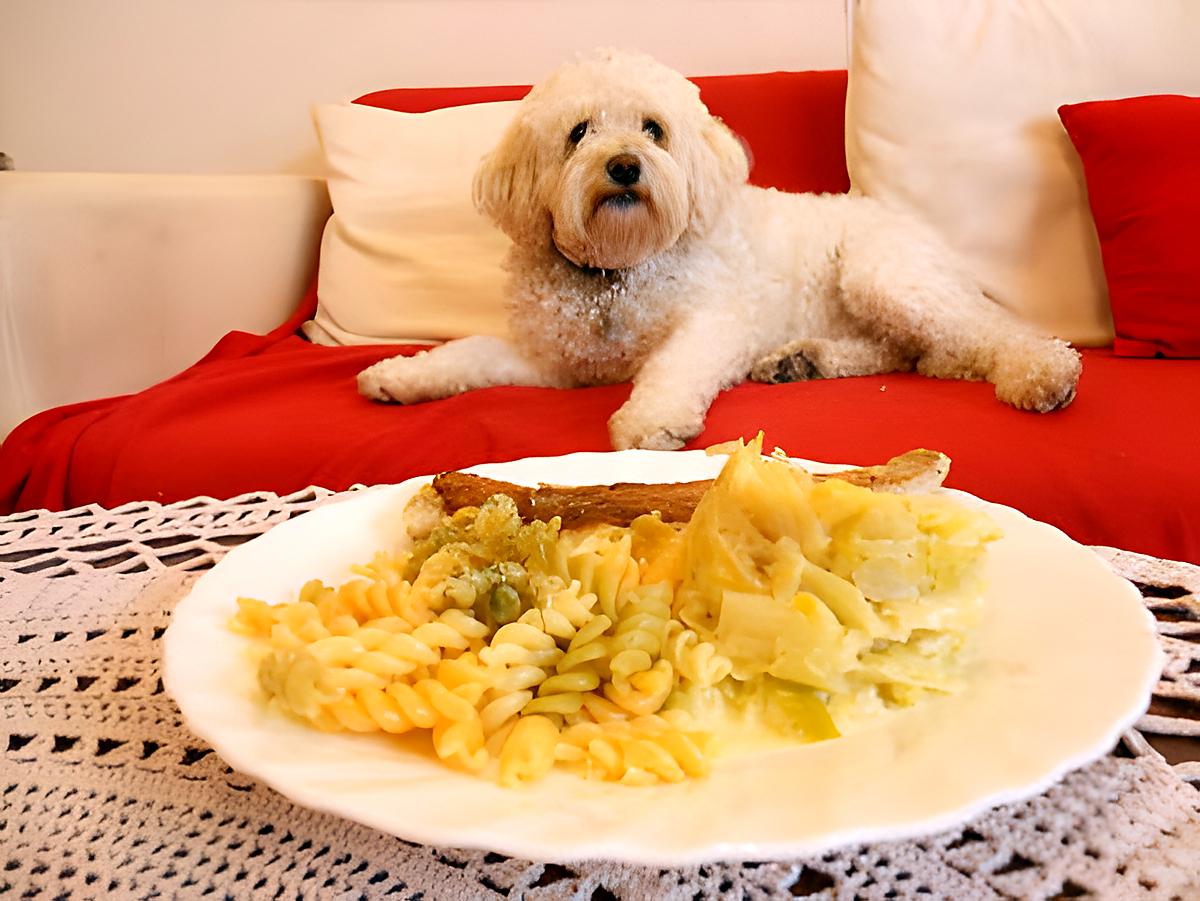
pixel 688 280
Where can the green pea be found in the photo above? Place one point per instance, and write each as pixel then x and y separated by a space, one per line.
pixel 514 574
pixel 505 604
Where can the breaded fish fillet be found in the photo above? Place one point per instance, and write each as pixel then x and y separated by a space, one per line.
pixel 914 472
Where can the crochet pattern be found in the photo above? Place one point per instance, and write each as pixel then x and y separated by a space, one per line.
pixel 104 792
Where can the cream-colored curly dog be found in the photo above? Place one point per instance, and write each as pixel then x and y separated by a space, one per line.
pixel 640 252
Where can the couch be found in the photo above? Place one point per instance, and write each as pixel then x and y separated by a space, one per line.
pixel 272 411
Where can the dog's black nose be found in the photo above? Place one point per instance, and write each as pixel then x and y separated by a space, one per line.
pixel 624 169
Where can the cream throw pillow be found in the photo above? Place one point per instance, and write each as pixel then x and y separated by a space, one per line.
pixel 951 114
pixel 405 255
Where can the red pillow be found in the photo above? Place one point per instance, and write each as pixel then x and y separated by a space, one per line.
pixel 1141 159
pixel 794 122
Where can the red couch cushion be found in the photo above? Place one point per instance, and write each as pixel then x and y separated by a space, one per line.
pixel 1142 166
pixel 1117 467
pixel 793 122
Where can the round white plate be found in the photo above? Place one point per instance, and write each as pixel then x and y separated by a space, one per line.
pixel 1067 656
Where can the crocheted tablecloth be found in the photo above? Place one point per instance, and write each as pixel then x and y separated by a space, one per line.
pixel 105 793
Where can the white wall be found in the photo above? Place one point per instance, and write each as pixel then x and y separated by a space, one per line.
pixel 226 85
pixel 112 282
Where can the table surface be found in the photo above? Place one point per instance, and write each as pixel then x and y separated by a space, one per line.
pixel 104 792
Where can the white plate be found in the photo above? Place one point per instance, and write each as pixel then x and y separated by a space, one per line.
pixel 1067 658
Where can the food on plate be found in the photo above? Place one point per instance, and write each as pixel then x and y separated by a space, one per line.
pixel 620 503
pixel 787 607
pixel 576 507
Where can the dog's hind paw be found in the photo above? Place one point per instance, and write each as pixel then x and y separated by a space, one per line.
pixel 782 366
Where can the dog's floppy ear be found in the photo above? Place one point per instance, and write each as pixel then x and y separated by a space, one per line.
pixel 505 186
pixel 718 165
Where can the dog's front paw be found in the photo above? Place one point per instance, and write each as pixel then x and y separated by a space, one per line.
pixel 632 427
pixel 370 384
pixel 1039 382
pixel 396 380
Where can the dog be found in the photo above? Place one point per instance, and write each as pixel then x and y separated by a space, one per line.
pixel 641 253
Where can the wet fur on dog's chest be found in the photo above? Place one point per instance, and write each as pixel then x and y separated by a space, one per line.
pixel 603 323
pixel 605 310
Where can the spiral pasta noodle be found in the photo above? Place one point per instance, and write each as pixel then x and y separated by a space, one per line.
pixel 640 751
pixel 697 662
pixel 577 672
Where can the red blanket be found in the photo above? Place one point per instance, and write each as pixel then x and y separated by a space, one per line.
pixel 1117 467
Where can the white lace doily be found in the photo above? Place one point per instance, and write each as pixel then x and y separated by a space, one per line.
pixel 104 793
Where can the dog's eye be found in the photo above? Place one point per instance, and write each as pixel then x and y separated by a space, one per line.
pixel 577 133
pixel 653 129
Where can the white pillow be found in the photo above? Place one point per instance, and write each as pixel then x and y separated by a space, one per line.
pixel 405 256
pixel 951 115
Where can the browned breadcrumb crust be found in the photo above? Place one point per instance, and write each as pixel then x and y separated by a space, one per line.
pixel 586 505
